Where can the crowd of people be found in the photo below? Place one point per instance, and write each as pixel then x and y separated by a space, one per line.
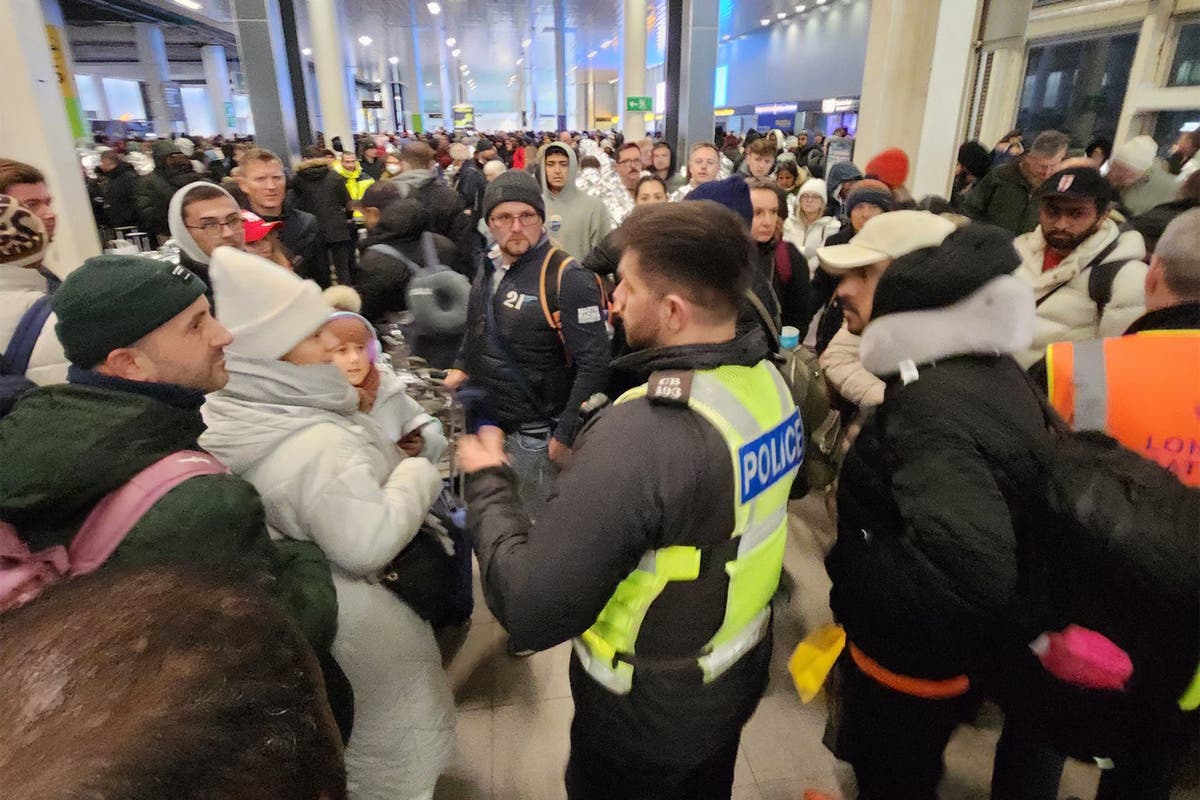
pixel 622 325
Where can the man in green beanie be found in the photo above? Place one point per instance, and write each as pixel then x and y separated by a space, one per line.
pixel 144 350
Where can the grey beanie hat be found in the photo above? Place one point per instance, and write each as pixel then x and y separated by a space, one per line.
pixel 515 186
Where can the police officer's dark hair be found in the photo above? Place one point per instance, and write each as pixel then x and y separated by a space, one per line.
pixel 700 250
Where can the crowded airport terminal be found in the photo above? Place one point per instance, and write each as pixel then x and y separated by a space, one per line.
pixel 600 400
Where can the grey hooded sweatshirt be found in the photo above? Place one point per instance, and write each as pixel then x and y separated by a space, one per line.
pixel 575 221
pixel 191 256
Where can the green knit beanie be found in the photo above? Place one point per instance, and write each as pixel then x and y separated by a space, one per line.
pixel 113 300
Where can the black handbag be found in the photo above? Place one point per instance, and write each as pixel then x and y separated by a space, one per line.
pixel 433 573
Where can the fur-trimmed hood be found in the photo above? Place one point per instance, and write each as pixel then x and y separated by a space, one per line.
pixel 998 318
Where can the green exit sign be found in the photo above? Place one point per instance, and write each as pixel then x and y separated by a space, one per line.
pixel 639 104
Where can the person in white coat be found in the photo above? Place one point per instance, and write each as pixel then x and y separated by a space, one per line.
pixel 807 227
pixel 1087 275
pixel 288 422
pixel 22 284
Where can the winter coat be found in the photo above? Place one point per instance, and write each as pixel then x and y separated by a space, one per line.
pixel 925 564
pixel 398 415
pixel 561 389
pixel 65 447
pixel 448 216
pixel 322 193
pixel 357 181
pixel 1152 223
pixel 1003 197
pixel 1154 188
pixel 301 235
pixel 328 475
pixel 575 221
pixel 120 190
pixel 545 587
pixel 20 288
pixel 807 238
pixel 373 169
pixel 152 197
pixel 845 372
pixel 1069 314
pixel 793 298
pixel 471 184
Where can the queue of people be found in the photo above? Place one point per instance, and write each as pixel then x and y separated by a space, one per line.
pixel 616 340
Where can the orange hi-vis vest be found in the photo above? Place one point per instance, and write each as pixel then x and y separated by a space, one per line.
pixel 1143 390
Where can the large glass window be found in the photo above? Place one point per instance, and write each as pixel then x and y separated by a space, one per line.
pixel 1185 69
pixel 1076 86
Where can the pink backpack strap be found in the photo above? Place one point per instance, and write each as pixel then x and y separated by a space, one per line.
pixel 23 574
pixel 114 516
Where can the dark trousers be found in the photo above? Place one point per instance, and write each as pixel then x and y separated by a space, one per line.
pixel 341 261
pixel 598 771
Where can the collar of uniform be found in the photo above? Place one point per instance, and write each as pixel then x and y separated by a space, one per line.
pixel 740 351
pixel 1183 317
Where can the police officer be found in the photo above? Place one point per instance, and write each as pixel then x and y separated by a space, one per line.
pixel 662 545
pixel 1143 388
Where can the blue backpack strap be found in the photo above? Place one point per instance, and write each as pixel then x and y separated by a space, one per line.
pixel 20 347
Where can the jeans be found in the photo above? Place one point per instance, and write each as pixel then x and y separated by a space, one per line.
pixel 528 450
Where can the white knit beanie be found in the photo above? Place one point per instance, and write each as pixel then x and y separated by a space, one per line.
pixel 1137 154
pixel 814 186
pixel 267 309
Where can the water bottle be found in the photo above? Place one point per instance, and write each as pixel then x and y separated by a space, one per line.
pixel 789 337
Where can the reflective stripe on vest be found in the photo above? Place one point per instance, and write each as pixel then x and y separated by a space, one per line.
pixel 1143 390
pixel 753 410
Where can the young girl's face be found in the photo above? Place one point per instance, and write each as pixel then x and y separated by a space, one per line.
pixel 352 359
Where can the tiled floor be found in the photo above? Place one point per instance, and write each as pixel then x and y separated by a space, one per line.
pixel 514 714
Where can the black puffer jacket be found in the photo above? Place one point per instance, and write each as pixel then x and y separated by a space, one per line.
pixel 153 192
pixel 795 296
pixel 321 192
pixel 545 587
pixel 120 187
pixel 448 216
pixel 560 389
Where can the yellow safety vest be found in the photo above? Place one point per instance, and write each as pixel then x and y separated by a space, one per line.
pixel 753 410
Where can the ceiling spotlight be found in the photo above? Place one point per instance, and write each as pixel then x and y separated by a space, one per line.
pixel 428 84
pixel 764 22
pixel 434 8
pixel 593 54
pixel 365 41
pixel 451 42
pixel 526 42
pixel 726 38
pixel 820 2
pixel 614 80
pixel 464 68
pixel 605 44
pixel 394 60
pixel 306 51
pixel 520 61
pixel 781 15
pixel 801 9
pixel 190 4
pixel 456 52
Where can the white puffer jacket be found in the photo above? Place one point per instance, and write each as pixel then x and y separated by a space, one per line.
pixel 808 238
pixel 20 288
pixel 398 415
pixel 328 474
pixel 1069 314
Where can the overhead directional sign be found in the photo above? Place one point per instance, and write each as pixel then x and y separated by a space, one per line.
pixel 639 104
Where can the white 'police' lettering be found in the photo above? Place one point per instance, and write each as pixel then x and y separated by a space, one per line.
pixel 770 457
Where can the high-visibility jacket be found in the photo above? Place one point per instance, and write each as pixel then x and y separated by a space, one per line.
pixel 357 184
pixel 753 410
pixel 1143 390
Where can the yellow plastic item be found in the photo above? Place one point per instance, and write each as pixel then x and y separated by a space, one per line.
pixel 814 657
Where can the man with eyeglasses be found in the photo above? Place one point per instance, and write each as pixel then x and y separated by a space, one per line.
pixel 620 196
pixel 526 376
pixel 202 217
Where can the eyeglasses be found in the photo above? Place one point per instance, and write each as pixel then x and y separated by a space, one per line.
pixel 211 226
pixel 629 161
pixel 527 219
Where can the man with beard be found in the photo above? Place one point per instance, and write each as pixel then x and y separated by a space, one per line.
pixel 1087 275
pixel 662 546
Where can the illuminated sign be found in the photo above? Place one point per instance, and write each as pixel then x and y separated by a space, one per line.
pixel 776 108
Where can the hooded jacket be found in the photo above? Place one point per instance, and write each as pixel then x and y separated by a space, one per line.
pixel 925 564
pixel 65 447
pixel 20 288
pixel 1154 188
pixel 398 415
pixel 1069 314
pixel 1003 197
pixel 328 475
pixel 322 193
pixel 192 256
pixel 545 587
pixel 839 174
pixel 577 222
pixel 154 191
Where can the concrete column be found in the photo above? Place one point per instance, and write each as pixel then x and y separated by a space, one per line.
pixel 915 86
pixel 449 82
pixel 156 72
pixel 103 112
pixel 560 62
pixel 220 94
pixel 412 77
pixel 34 127
pixel 264 63
pixel 64 65
pixel 330 57
pixel 697 73
pixel 387 83
pixel 296 71
pixel 633 68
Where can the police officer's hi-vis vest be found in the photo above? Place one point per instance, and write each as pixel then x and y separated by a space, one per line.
pixel 753 410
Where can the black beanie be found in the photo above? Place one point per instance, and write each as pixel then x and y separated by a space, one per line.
pixel 516 186
pixel 937 277
pixel 974 158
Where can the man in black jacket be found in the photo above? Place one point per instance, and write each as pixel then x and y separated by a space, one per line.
pixel 649 522
pixel 471 182
pixel 448 215
pixel 118 181
pixel 535 378
pixel 925 566
pixel 262 181
pixel 320 191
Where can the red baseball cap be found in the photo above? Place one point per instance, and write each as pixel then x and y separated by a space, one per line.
pixel 257 228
